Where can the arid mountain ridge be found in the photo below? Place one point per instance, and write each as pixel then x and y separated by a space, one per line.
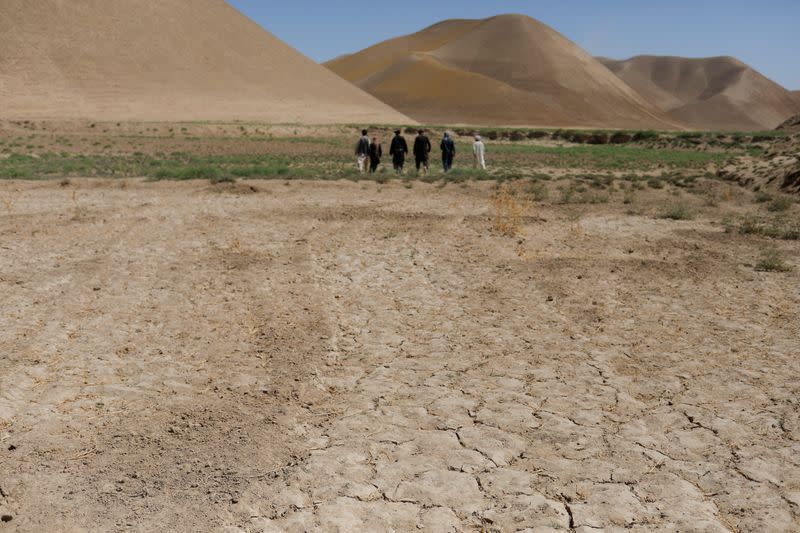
pixel 514 70
pixel 717 93
pixel 509 69
pixel 203 60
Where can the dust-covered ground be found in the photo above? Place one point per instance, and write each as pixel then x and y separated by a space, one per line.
pixel 345 356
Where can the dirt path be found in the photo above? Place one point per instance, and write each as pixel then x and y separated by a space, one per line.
pixel 358 357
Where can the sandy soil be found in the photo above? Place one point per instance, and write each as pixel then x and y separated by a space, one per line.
pixel 364 357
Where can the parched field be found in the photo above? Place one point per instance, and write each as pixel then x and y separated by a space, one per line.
pixel 579 351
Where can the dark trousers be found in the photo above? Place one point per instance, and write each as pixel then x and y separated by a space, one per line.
pixel 373 164
pixel 399 162
pixel 422 162
pixel 447 162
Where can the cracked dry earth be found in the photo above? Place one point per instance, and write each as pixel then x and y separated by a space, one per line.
pixel 362 357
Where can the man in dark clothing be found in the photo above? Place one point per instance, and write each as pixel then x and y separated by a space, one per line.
pixel 375 154
pixel 398 151
pixel 422 147
pixel 362 152
pixel 448 152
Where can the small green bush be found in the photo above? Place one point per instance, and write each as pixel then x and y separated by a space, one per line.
pixel 191 172
pixel 538 191
pixel 763 197
pixel 15 173
pixel 678 211
pixel 779 205
pixel 222 178
pixel 777 228
pixel 772 261
pixel 260 171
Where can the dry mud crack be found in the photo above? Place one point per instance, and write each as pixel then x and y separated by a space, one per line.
pixel 335 357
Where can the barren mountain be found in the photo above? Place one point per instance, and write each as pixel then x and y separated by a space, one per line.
pixel 509 70
pixel 718 93
pixel 164 60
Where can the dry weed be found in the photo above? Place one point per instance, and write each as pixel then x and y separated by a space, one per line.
pixel 576 229
pixel 509 210
pixel 79 212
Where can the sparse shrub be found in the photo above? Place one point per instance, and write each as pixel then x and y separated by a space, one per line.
pixel 711 199
pixel 516 136
pixel 537 134
pixel 579 137
pixel 15 173
pixel 678 211
pixel 460 175
pixel 655 183
pixel 537 190
pixel 772 261
pixel 763 197
pixel 541 176
pixel 222 178
pixel 188 173
pixel 581 195
pixel 778 228
pixel 645 136
pixel 595 198
pixel 779 205
pixel 749 226
pixel 621 137
pixel 260 171
pixel 602 182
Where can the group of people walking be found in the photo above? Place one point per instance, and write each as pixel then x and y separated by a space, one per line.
pixel 369 152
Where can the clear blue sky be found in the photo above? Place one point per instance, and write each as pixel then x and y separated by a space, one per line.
pixel 763 33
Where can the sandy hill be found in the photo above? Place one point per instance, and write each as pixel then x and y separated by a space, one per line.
pixel 505 70
pixel 719 93
pixel 163 60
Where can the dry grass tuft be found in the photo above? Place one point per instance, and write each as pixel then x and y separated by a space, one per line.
pixel 79 212
pixel 509 211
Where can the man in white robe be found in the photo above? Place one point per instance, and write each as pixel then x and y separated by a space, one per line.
pixel 479 152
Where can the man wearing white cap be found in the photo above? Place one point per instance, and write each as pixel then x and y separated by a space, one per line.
pixel 479 151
